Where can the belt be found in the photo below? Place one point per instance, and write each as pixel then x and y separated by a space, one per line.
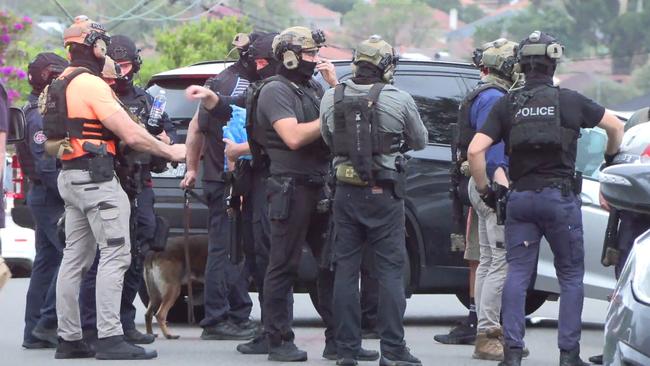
pixel 78 163
pixel 306 180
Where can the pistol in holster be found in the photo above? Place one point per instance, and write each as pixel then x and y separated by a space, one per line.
pixel 100 163
pixel 502 201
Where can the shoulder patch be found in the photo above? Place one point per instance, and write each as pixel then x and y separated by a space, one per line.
pixel 39 137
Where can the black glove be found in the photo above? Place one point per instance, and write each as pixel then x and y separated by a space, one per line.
pixel 490 198
pixel 609 160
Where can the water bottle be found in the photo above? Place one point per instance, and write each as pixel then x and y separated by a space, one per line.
pixel 157 109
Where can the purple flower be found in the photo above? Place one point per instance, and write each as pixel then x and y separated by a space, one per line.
pixel 19 26
pixel 20 74
pixel 6 70
pixel 13 94
pixel 27 20
pixel 5 38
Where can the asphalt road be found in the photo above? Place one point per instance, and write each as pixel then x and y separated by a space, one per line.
pixel 426 315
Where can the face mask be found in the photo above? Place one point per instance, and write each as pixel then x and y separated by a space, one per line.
pixel 306 68
pixel 122 85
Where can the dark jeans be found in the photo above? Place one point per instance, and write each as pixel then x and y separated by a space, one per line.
pixel 146 226
pixel 226 285
pixel 371 217
pixel 302 224
pixel 631 226
pixel 369 290
pixel 40 306
pixel 557 217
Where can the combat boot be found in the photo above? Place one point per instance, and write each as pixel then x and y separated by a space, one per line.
pixel 401 358
pixel 116 348
pixel 464 333
pixel 72 349
pixel 330 353
pixel 511 357
pixel 571 358
pixel 258 346
pixel 286 352
pixel 488 348
pixel 134 336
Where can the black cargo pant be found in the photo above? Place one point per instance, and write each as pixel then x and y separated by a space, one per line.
pixel 294 221
pixel 370 216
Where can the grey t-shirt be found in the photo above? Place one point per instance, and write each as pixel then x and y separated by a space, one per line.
pixel 396 113
pixel 277 101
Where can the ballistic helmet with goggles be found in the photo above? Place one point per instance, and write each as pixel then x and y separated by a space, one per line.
pixel 123 49
pixel 539 48
pixel 46 67
pixel 378 52
pixel 291 42
pixel 87 32
pixel 499 56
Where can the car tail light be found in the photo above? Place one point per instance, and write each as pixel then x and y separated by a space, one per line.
pixel 645 156
pixel 18 179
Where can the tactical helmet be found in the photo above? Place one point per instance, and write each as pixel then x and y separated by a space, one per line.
pixel 378 52
pixel 539 48
pixel 292 41
pixel 123 49
pixel 44 68
pixel 499 55
pixel 87 32
pixel 111 69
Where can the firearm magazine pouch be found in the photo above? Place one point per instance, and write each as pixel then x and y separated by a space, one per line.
pixel 160 235
pixel 100 168
pixel 347 174
pixel 279 191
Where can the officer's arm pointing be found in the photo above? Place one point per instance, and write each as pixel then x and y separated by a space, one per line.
pixel 476 156
pixel 297 135
pixel 139 139
pixel 614 128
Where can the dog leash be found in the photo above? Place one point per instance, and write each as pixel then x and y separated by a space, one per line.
pixel 190 293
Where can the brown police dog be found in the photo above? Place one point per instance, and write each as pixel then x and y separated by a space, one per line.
pixel 165 273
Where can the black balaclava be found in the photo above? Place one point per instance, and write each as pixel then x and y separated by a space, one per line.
pixel 43 69
pixel 83 56
pixel 262 48
pixel 302 74
pixel 269 70
pixel 367 73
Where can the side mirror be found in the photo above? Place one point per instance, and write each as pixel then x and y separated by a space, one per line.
pixel 16 131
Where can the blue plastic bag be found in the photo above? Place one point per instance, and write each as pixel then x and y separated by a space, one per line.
pixel 235 130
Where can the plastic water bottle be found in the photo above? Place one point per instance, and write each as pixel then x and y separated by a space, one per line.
pixel 157 109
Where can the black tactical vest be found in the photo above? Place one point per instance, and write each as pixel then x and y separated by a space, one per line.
pixel 25 157
pixel 463 129
pixel 356 133
pixel 536 123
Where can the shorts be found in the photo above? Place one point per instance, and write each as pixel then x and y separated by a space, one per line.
pixel 472 249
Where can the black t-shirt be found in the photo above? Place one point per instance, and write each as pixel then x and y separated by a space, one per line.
pixel 536 169
pixel 230 81
pixel 277 101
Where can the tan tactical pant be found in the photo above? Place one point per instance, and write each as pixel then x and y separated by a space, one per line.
pixel 493 267
pixel 96 215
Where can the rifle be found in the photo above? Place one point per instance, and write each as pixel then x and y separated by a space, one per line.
pixel 233 210
pixel 610 255
pixel 186 249
pixel 457 235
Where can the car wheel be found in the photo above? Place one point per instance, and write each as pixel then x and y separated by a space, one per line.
pixel 534 300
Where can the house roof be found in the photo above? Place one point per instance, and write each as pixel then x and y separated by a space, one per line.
pixel 311 10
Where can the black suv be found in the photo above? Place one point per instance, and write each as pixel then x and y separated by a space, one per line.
pixel 437 87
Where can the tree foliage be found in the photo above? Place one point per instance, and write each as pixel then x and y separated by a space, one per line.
pixel 341 6
pixel 397 21
pixel 13 57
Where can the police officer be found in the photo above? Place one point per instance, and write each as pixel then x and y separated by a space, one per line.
pixel 540 125
pixel 81 118
pixel 46 206
pixel 134 171
pixel 227 302
pixel 369 200
pixel 496 61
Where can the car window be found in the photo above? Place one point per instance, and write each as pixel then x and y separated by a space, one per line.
pixel 591 147
pixel 437 98
pixel 177 107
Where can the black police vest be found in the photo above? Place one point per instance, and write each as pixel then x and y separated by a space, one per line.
pixel 265 138
pixel 463 129
pixel 138 104
pixel 25 157
pixel 356 133
pixel 536 123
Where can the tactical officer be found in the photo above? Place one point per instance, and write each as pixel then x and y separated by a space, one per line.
pixel 496 61
pixel 227 302
pixel 363 121
pixel 540 125
pixel 46 206
pixel 81 119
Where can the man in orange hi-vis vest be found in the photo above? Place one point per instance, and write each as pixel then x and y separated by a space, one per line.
pixel 82 120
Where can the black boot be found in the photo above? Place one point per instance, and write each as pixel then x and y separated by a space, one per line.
pixel 37 344
pixel 115 348
pixel 258 346
pixel 226 330
pixel 464 333
pixel 286 352
pixel 596 360
pixel 72 349
pixel 571 358
pixel 511 357
pixel 401 358
pixel 330 353
pixel 90 337
pixel 134 336
pixel 45 334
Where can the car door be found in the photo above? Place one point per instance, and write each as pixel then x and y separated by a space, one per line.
pixel 599 281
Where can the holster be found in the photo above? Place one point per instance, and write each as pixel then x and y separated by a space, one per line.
pixel 280 190
pixel 100 168
pixel 577 183
pixel 501 202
